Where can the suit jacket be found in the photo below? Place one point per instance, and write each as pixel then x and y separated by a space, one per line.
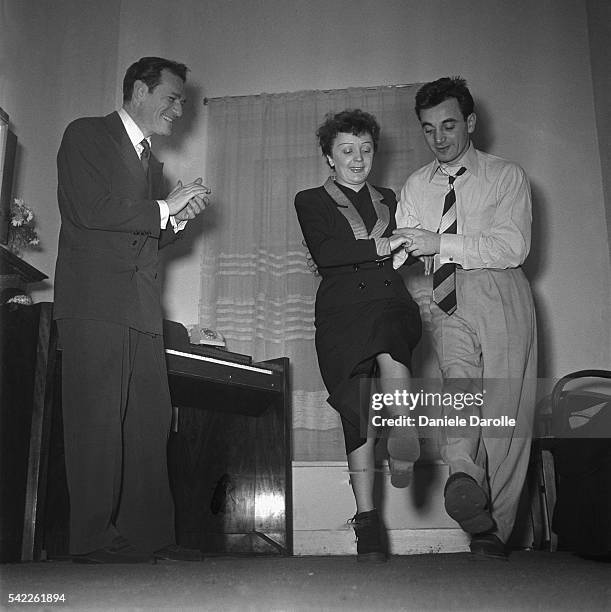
pixel 107 261
pixel 344 251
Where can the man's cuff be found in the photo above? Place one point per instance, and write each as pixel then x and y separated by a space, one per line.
pixel 164 213
pixel 178 225
pixel 451 249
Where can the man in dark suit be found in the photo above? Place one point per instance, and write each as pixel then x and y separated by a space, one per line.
pixel 115 396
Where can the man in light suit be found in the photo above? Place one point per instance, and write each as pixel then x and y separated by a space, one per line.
pixel 468 214
pixel 115 396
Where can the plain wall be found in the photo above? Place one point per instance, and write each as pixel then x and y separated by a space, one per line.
pixel 57 61
pixel 599 28
pixel 527 62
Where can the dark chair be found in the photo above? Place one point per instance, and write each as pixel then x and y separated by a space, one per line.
pixel 572 458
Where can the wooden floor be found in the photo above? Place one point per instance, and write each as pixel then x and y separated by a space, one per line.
pixel 528 581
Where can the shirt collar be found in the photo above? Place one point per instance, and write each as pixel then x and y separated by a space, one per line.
pixel 468 159
pixel 133 131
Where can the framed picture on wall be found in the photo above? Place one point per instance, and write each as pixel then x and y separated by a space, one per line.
pixel 8 148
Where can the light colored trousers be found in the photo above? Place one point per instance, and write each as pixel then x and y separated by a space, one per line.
pixel 490 344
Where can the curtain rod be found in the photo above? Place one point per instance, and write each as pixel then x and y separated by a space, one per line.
pixel 370 88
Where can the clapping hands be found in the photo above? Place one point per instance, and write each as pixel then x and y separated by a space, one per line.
pixel 187 201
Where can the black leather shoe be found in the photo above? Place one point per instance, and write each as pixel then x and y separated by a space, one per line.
pixel 175 552
pixel 368 530
pixel 467 503
pixel 487 545
pixel 120 551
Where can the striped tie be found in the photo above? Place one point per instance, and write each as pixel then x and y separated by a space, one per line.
pixel 444 276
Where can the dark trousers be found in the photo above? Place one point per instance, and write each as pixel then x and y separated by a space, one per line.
pixel 117 412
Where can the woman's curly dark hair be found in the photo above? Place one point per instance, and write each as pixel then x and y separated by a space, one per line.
pixel 349 121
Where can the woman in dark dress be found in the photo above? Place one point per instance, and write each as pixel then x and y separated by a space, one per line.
pixel 367 324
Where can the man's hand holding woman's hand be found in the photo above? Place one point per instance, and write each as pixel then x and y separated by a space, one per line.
pixel 418 242
pixel 396 242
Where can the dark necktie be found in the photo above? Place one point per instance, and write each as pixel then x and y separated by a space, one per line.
pixel 145 155
pixel 444 275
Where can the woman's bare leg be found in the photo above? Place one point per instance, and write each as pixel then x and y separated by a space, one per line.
pixel 361 463
pixel 403 445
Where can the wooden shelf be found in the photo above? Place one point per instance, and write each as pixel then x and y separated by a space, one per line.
pixel 11 265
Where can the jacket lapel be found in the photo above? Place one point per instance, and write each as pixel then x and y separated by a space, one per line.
pixel 381 211
pixel 347 209
pixel 125 148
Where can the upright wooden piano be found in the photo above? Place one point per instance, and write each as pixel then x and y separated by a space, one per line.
pixel 230 450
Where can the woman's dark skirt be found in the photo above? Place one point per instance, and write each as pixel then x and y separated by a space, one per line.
pixel 347 342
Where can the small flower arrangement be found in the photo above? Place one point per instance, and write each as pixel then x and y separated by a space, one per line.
pixel 21 231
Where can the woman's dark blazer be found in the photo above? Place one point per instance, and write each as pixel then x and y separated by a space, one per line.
pixel 339 255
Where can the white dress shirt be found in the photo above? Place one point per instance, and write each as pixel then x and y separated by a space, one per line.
pixel 136 136
pixel 493 207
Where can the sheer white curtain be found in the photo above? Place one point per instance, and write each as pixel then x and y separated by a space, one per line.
pixel 256 287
